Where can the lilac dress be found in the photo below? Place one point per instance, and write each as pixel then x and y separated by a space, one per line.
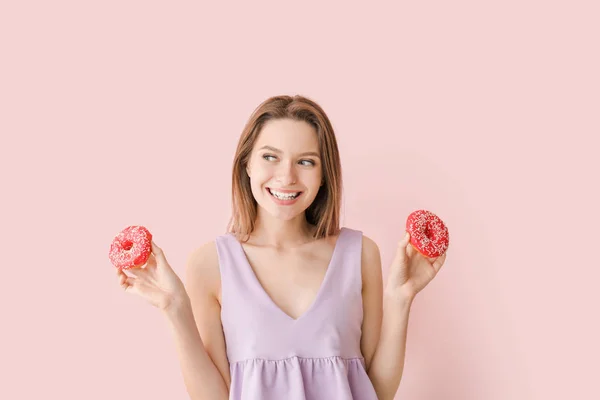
pixel 314 357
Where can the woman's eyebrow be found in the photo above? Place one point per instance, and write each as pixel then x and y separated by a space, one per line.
pixel 308 153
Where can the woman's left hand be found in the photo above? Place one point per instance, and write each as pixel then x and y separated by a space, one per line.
pixel 411 271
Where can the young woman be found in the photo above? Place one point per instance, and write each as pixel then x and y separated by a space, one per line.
pixel 287 305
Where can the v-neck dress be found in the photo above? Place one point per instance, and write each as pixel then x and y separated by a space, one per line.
pixel 273 356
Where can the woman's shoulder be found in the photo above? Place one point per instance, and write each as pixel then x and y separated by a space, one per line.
pixel 367 241
pixel 370 253
pixel 370 263
pixel 202 267
pixel 370 249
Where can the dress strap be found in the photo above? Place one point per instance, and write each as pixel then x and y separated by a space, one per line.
pixel 348 277
pixel 235 290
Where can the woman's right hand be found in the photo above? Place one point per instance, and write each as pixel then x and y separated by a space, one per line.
pixel 155 281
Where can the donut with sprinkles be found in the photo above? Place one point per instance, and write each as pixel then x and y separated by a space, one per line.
pixel 428 233
pixel 131 247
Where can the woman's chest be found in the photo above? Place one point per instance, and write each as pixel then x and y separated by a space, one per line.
pixel 291 279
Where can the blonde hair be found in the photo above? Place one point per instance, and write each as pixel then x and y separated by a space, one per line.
pixel 324 212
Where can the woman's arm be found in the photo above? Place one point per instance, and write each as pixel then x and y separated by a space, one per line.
pixel 409 273
pixel 385 322
pixel 201 377
pixel 371 298
pixel 388 362
pixel 196 325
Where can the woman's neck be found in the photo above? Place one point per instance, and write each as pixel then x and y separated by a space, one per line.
pixel 281 234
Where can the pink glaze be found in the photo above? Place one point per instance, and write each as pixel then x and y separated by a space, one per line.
pixel 428 234
pixel 131 247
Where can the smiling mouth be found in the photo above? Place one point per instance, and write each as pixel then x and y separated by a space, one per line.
pixel 284 196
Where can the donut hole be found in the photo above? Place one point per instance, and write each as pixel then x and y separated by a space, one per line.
pixel 127 245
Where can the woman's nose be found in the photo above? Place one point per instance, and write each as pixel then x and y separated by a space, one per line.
pixel 286 173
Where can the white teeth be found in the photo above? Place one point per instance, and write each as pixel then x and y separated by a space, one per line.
pixel 284 196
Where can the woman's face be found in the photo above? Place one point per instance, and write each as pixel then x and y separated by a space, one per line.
pixel 285 167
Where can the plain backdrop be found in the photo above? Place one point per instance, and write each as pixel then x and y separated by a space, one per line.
pixel 120 113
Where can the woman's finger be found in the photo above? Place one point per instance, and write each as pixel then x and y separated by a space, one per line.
pixel 158 253
pixel 120 279
pixel 138 272
pixel 123 279
pixel 437 264
pixel 120 273
pixel 410 250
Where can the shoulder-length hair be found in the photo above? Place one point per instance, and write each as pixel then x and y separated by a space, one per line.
pixel 324 212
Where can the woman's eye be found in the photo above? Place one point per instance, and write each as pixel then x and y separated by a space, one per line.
pixel 304 162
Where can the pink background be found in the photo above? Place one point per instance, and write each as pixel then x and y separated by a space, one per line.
pixel 128 112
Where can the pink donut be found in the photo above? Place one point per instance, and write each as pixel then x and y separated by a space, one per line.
pixel 131 247
pixel 428 234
